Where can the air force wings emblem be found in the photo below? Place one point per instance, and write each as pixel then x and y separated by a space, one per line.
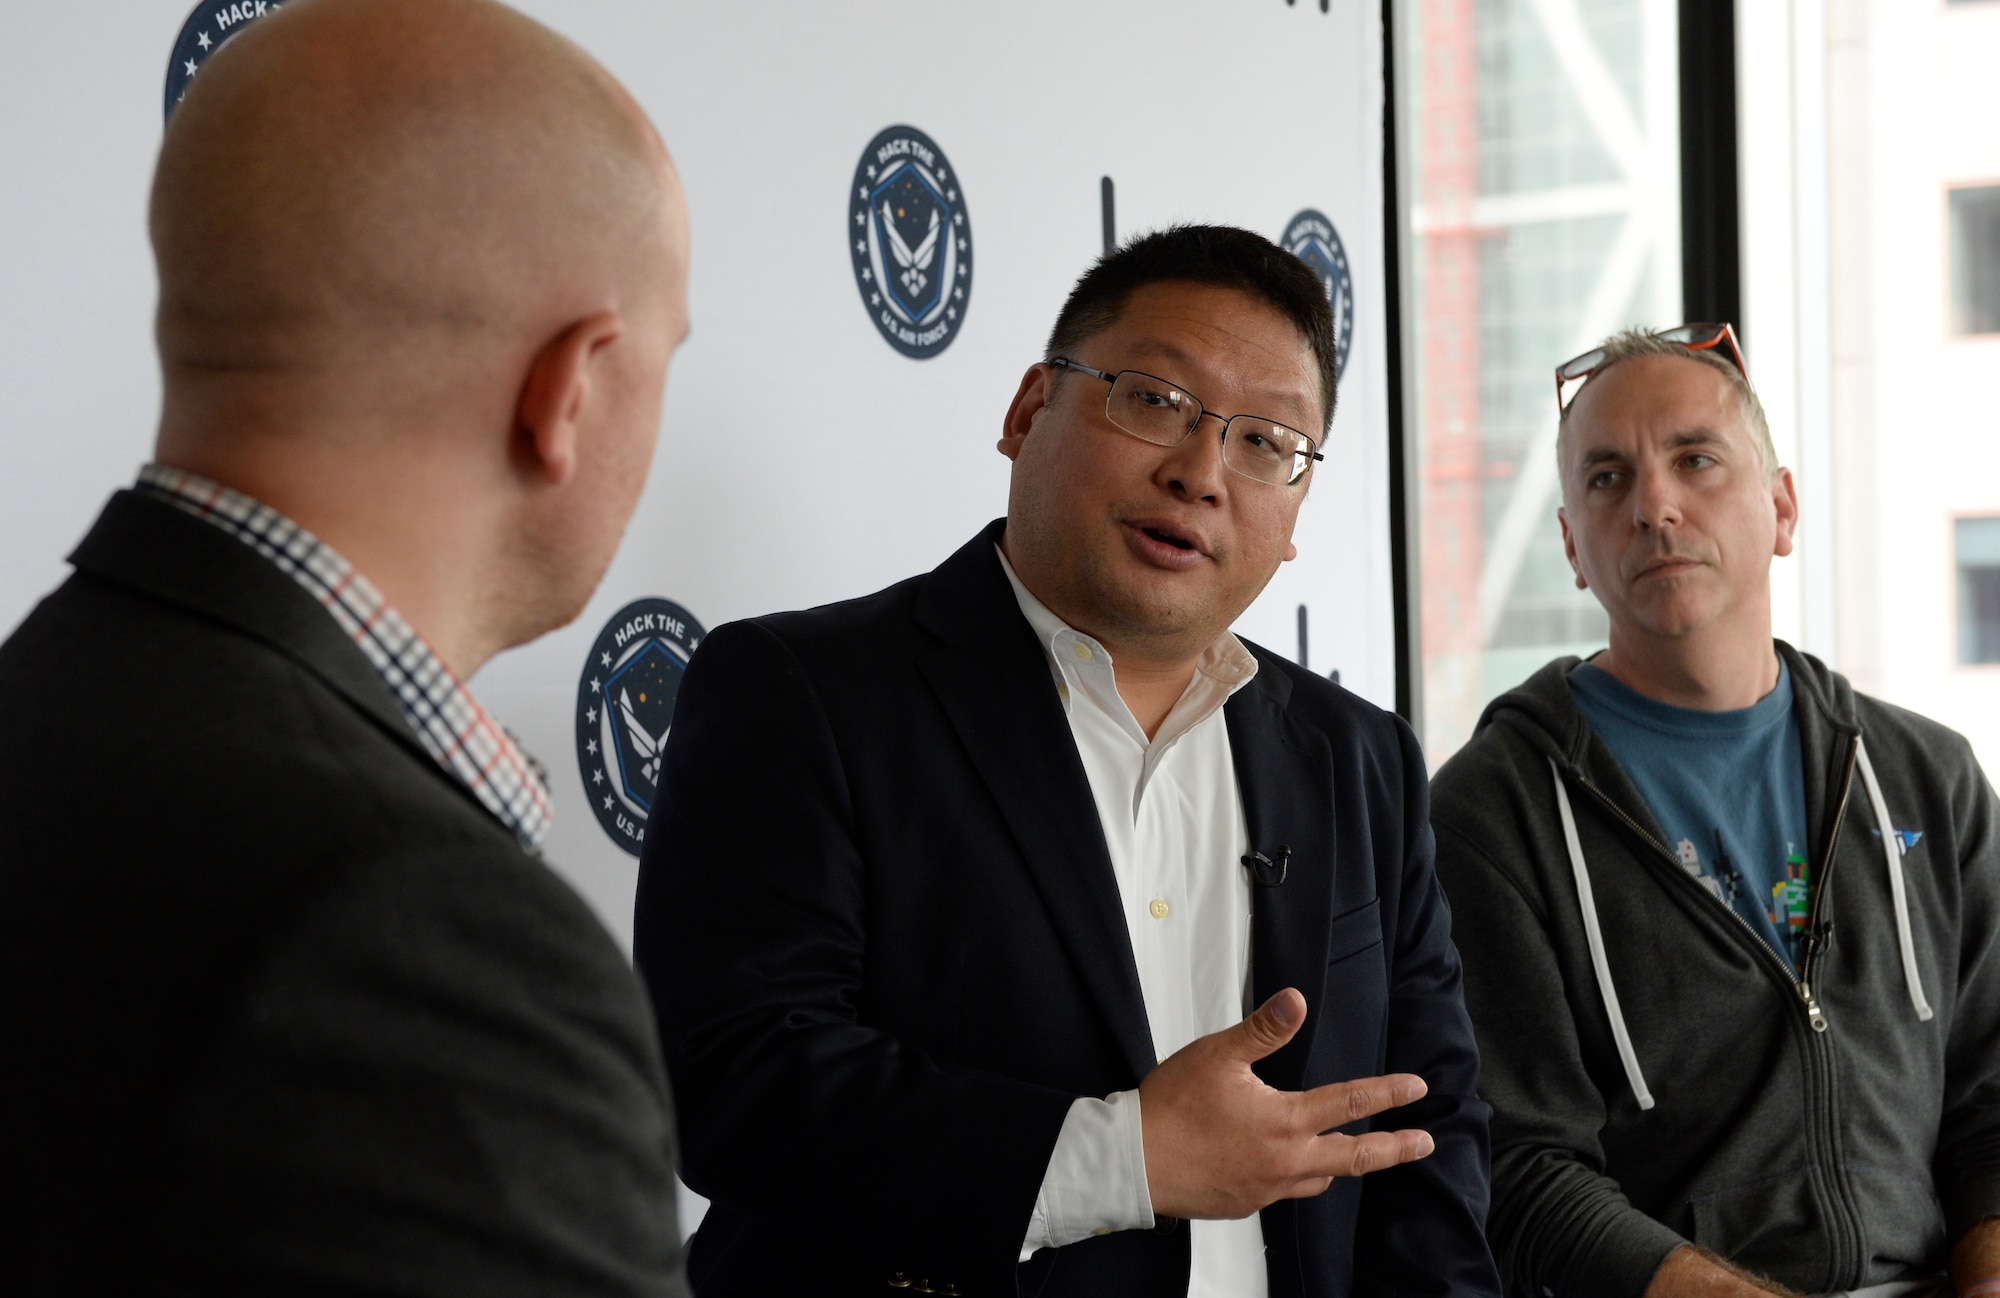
pixel 211 23
pixel 624 709
pixel 1313 240
pixel 910 241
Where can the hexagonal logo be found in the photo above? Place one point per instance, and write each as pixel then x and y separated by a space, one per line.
pixel 625 708
pixel 1312 239
pixel 910 241
pixel 211 24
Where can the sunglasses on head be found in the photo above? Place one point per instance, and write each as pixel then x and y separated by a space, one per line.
pixel 1694 337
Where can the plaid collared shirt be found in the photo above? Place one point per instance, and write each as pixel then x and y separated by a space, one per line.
pixel 448 721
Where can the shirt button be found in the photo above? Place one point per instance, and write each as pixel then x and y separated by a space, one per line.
pixel 1083 653
pixel 1159 908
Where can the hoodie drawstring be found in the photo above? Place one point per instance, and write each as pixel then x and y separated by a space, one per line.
pixel 1587 902
pixel 1892 856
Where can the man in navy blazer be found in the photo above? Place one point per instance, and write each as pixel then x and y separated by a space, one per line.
pixel 957 897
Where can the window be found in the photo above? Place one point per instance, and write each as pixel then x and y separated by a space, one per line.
pixel 1978 547
pixel 1975 260
pixel 1543 154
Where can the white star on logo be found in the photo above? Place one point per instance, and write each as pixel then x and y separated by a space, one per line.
pixel 606 658
pixel 860 218
pixel 866 274
pixel 951 194
pixel 874 299
pixel 203 41
pixel 593 685
pixel 951 313
pixel 958 218
pixel 591 748
pixel 190 66
pixel 607 802
pixel 597 777
pixel 591 716
pixel 943 174
pixel 958 293
pixel 963 246
pixel 861 191
pixel 694 643
pixel 860 246
pixel 871 171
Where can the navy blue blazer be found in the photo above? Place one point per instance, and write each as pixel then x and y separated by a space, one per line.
pixel 886 951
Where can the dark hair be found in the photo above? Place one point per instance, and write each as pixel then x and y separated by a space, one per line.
pixel 1202 254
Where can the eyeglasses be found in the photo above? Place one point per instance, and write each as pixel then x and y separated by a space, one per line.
pixel 1154 410
pixel 1694 337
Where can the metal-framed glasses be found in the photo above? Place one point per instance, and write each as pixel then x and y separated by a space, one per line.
pixel 1694 337
pixel 1154 410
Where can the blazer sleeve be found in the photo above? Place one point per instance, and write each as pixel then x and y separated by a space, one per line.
pixel 1422 1228
pixel 439 1078
pixel 752 934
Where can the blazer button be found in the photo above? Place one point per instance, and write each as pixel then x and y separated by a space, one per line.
pixel 897 1280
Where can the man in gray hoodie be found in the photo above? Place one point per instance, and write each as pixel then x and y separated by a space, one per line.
pixel 1731 930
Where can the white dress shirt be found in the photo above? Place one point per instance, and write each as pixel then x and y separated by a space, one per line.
pixel 1173 820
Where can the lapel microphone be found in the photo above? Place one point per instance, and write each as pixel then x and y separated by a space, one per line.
pixel 1265 872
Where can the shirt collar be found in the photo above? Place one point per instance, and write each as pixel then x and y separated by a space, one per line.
pixel 1224 667
pixel 453 728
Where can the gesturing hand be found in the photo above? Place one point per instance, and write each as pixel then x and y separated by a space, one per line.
pixel 1221 1144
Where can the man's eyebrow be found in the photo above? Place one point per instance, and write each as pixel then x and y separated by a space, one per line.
pixel 1174 355
pixel 1163 349
pixel 1703 437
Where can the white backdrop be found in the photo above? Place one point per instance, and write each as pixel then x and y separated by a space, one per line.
pixel 862 466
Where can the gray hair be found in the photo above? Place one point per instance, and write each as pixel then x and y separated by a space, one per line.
pixel 1639 342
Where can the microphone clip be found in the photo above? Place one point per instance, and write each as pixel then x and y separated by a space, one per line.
pixel 1265 872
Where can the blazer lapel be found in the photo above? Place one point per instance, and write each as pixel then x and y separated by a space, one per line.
pixel 1287 785
pixel 994 684
pixel 160 550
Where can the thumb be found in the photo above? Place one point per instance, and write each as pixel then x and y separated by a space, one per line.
pixel 1276 1021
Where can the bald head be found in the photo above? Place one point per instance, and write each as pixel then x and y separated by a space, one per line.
pixel 423 265
pixel 357 183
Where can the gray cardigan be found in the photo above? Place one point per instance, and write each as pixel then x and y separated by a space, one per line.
pixel 1830 1140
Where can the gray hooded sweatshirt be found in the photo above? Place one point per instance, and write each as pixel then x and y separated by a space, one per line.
pixel 1659 1075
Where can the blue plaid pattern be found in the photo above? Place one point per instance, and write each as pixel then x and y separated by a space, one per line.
pixel 448 721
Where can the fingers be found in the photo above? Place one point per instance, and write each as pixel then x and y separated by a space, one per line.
pixel 1274 1023
pixel 1336 1156
pixel 1340 1103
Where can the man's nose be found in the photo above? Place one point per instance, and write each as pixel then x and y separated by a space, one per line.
pixel 1193 468
pixel 1657 500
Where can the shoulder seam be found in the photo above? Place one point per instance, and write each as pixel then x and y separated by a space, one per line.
pixel 1498 870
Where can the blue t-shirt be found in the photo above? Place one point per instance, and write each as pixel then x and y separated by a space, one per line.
pixel 1728 789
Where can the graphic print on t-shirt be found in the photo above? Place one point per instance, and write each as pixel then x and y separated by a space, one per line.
pixel 1791 900
pixel 1728 790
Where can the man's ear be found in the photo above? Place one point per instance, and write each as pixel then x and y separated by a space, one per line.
pixel 1785 499
pixel 557 392
pixel 1036 390
pixel 1569 548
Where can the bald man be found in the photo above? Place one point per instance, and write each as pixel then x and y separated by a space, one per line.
pixel 289 1003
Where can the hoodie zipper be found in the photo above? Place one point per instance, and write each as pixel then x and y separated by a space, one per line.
pixel 1799 979
pixel 1814 940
